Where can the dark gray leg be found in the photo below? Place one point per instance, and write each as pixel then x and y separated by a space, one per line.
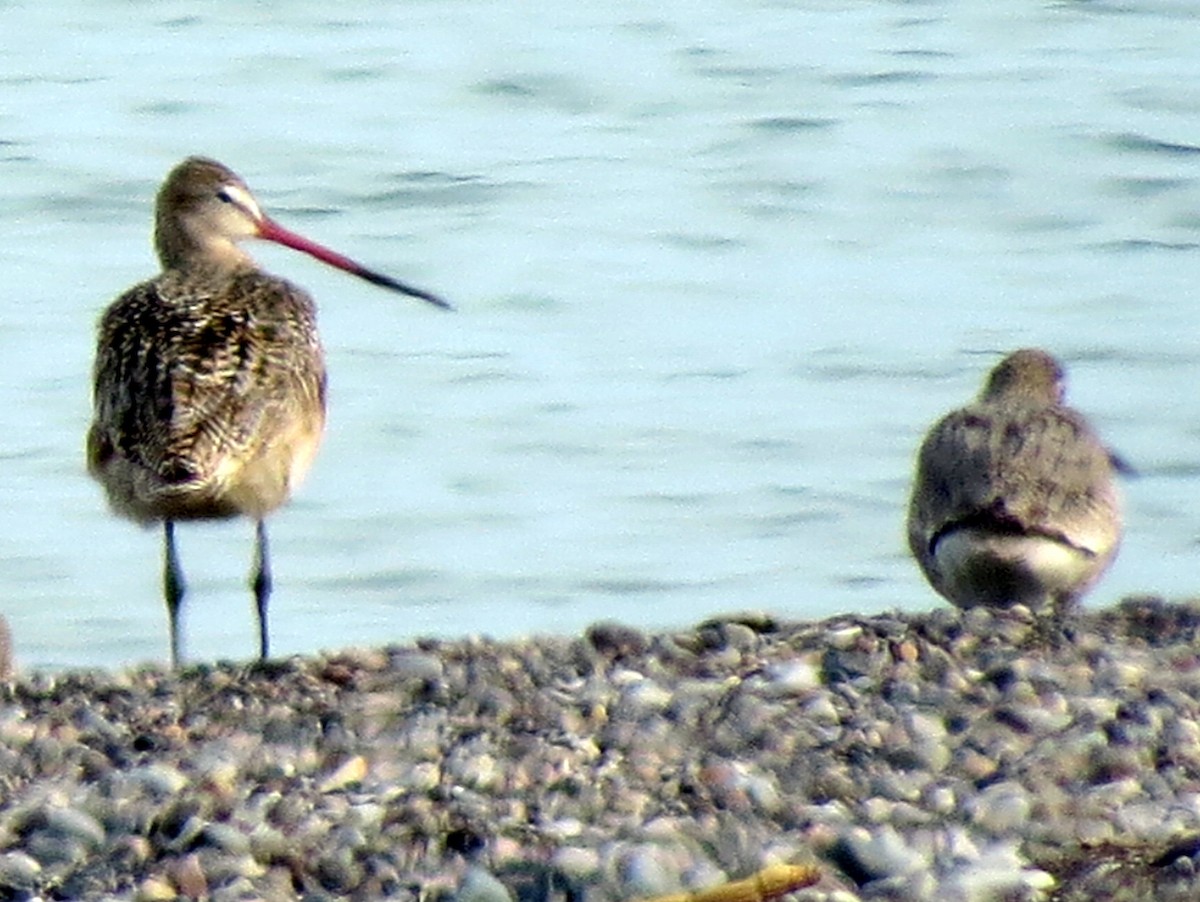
pixel 173 588
pixel 260 582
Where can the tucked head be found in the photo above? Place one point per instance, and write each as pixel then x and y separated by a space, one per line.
pixel 1030 375
pixel 1014 500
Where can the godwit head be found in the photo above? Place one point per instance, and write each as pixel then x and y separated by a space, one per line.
pixel 204 210
pixel 209 379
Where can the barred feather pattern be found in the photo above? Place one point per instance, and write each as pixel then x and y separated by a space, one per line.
pixel 209 395
pixel 1043 470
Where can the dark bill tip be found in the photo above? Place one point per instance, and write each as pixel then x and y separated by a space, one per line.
pixel 412 291
pixel 270 230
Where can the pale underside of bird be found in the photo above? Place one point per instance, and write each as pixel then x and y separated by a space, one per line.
pixel 209 379
pixel 1015 500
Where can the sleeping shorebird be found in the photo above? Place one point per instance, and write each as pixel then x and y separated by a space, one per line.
pixel 1015 498
pixel 209 389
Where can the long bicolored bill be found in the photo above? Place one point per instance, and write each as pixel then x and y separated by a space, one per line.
pixel 270 230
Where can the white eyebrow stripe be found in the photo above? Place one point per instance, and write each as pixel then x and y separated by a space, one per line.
pixel 244 199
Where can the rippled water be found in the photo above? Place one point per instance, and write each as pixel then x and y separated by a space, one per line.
pixel 718 266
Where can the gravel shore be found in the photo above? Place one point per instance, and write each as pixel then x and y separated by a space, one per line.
pixel 952 756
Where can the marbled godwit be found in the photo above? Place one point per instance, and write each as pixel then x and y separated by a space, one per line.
pixel 1015 499
pixel 209 388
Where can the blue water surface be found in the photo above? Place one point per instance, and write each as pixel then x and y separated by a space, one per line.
pixel 718 266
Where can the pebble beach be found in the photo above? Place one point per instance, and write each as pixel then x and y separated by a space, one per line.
pixel 943 755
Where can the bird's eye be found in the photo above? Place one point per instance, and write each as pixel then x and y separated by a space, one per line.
pixel 225 196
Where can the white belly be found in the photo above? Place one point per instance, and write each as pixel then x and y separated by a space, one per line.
pixel 983 568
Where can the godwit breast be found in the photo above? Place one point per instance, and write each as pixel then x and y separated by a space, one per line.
pixel 1015 499
pixel 209 381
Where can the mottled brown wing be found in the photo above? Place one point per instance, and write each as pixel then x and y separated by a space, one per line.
pixel 1054 473
pixel 948 481
pixel 130 394
pixel 189 374
pixel 1039 470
